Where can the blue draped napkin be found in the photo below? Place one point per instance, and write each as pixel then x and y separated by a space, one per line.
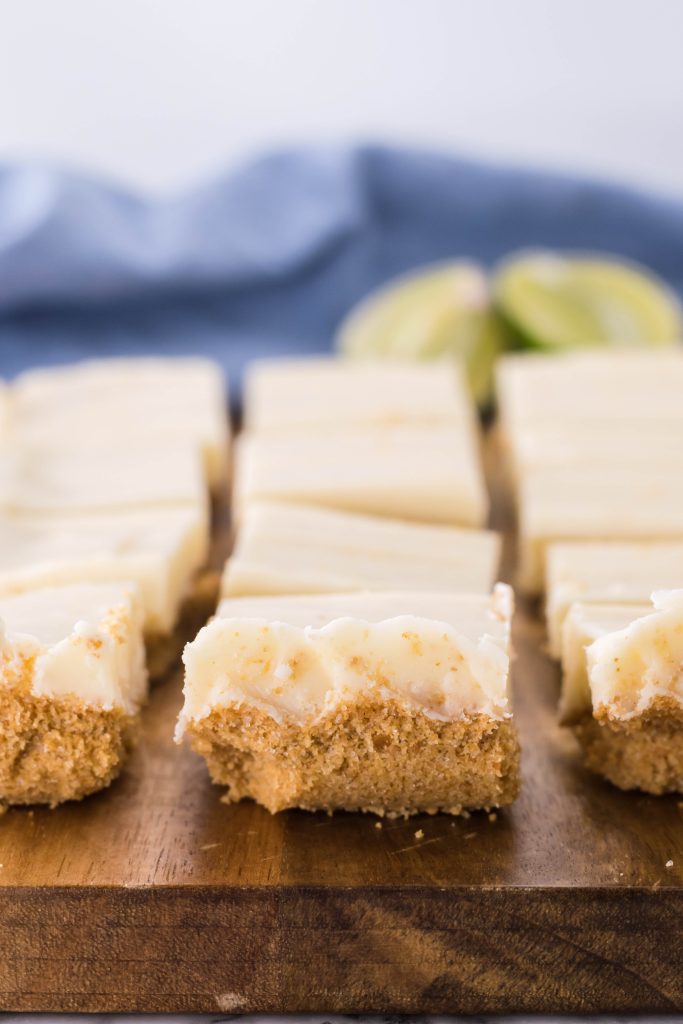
pixel 269 258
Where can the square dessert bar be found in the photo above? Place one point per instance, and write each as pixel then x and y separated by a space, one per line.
pixel 158 549
pixel 623 690
pixel 305 394
pixel 596 446
pixel 102 479
pixel 161 550
pixel 124 402
pixel 393 703
pixel 300 549
pixel 594 503
pixel 428 473
pixel 72 679
pixel 604 571
pixel 538 444
pixel 584 622
pixel 571 387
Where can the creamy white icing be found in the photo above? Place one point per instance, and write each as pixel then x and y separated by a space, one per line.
pixel 101 403
pixel 159 549
pixel 610 572
pixel 317 393
pixel 428 473
pixel 597 385
pixel 84 640
pixel 289 549
pixel 448 660
pixel 628 669
pixel 105 479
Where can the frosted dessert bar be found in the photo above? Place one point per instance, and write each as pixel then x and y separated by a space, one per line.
pixel 393 703
pixel 319 393
pixel 570 387
pixel 424 473
pixel 290 549
pixel 72 679
pixel 159 550
pixel 78 481
pixel 540 444
pixel 124 401
pixel 610 572
pixel 623 690
pixel 591 503
pixel 584 623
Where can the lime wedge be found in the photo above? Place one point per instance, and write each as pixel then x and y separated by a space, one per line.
pixel 550 301
pixel 439 311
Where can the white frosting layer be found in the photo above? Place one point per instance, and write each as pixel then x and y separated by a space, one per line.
pixel 159 549
pixel 299 657
pixel 301 394
pixel 165 401
pixel 604 571
pixel 84 640
pixel 637 503
pixel 609 385
pixel 103 479
pixel 427 473
pixel 289 549
pixel 628 669
pixel 582 625
pixel 597 442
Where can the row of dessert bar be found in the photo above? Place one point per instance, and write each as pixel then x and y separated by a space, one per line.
pixel 105 471
pixel 595 448
pixel 359 658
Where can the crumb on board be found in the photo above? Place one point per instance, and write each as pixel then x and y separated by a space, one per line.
pixel 419 834
pixel 493 816
pixel 209 846
pixel 669 864
pixel 378 824
pixel 470 835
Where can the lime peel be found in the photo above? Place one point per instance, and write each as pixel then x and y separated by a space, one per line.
pixel 551 301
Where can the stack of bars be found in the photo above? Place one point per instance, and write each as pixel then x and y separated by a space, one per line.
pixel 359 658
pixel 595 448
pixel 105 472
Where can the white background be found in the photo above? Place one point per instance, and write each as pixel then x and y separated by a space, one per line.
pixel 161 92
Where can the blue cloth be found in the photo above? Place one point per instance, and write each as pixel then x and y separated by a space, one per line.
pixel 269 258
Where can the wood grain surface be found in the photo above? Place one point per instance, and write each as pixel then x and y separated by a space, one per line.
pixel 156 896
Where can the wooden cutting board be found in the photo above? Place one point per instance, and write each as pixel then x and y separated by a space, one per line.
pixel 155 896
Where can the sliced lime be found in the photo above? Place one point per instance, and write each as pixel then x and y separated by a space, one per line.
pixel 551 301
pixel 439 311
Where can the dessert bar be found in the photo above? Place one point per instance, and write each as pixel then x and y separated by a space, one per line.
pixel 301 549
pixel 606 571
pixel 313 394
pixel 125 402
pixel 623 690
pixel 428 473
pixel 72 679
pixel 386 702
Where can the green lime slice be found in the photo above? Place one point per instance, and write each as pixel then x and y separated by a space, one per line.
pixel 439 311
pixel 550 301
